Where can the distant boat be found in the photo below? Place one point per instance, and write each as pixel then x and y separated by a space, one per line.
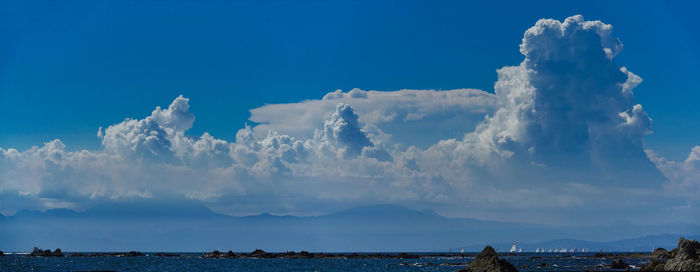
pixel 512 249
pixel 550 250
pixel 520 249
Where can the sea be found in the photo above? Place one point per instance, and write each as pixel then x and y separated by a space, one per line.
pixel 192 261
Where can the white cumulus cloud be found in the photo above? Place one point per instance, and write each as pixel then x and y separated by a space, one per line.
pixel 561 131
pixel 401 116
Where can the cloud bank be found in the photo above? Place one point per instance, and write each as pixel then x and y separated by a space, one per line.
pixel 401 116
pixel 560 133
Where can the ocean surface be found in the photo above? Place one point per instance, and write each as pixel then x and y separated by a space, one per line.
pixel 194 262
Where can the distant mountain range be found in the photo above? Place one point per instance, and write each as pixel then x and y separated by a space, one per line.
pixel 191 226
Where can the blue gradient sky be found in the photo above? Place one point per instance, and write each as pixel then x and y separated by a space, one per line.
pixel 67 68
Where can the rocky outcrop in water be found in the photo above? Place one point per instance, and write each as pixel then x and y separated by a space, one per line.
pixel 38 252
pixel 618 264
pixel 488 261
pixel 261 254
pixel 683 258
pixel 1 254
pixel 218 254
pixel 661 253
pixel 166 254
pixel 106 254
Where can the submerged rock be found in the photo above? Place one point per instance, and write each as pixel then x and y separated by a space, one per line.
pixel 166 254
pixel 488 260
pixel 683 258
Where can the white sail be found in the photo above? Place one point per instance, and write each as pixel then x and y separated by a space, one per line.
pixel 512 249
pixel 520 250
pixel 550 250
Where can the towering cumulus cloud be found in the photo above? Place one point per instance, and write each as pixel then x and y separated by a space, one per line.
pixel 153 136
pixel 569 109
pixel 343 130
pixel 560 133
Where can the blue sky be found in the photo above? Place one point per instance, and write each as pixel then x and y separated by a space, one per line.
pixel 481 110
pixel 68 69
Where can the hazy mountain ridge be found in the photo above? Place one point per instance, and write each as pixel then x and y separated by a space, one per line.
pixel 194 227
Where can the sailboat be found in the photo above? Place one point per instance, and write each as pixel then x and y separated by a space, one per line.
pixel 512 249
pixel 520 250
pixel 550 250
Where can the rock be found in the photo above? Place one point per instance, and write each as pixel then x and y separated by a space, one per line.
pixel 229 254
pixel 660 253
pixel 542 265
pixel 132 254
pixel 488 260
pixel 165 254
pixel 686 258
pixel 602 255
pixel 618 264
pixel 38 252
pixel 404 255
pixel 654 265
pixel 683 258
pixel 300 255
pixel 688 249
pixel 1 254
pixel 111 254
pixel 213 254
pixel 259 253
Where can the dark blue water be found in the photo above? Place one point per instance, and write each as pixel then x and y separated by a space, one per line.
pixel 192 262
